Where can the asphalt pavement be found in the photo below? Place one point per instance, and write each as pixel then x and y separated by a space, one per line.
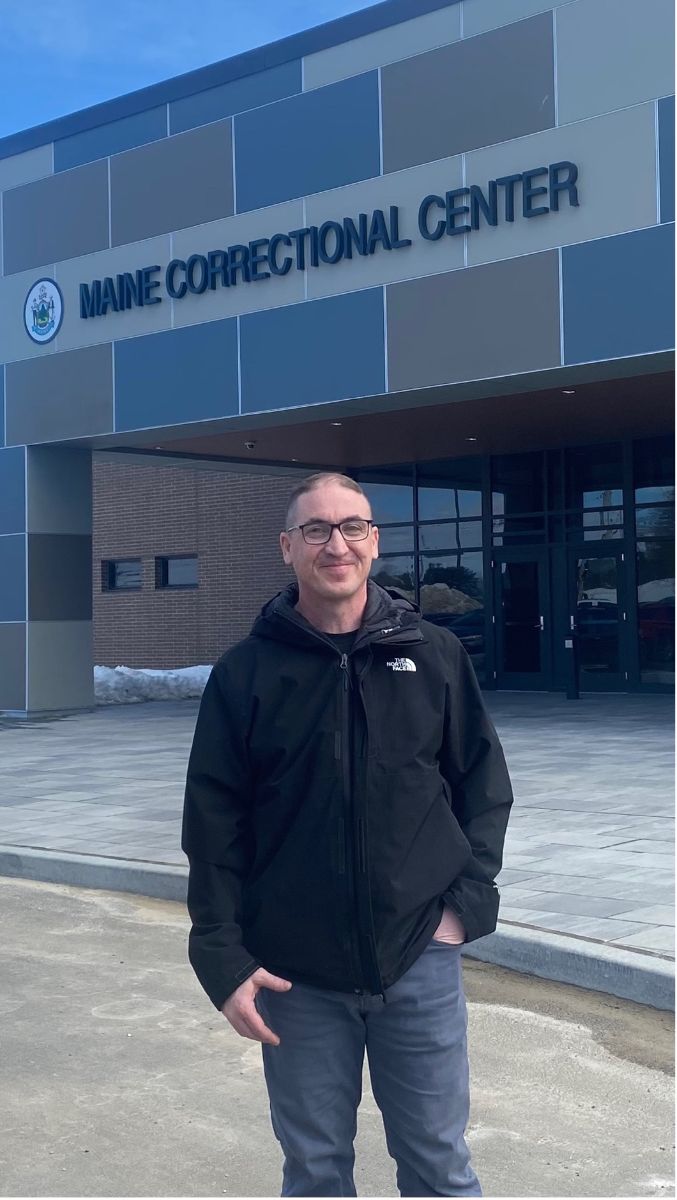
pixel 120 1078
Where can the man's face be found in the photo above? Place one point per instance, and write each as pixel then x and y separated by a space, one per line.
pixel 337 570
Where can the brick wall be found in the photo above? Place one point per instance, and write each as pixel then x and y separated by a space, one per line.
pixel 232 522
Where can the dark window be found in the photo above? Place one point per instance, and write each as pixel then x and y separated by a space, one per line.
pixel 654 467
pixel 656 611
pixel 450 535
pixel 449 489
pixel 396 571
pixel 390 493
pixel 121 574
pixel 452 595
pixel 517 482
pixel 394 539
pixel 594 476
pixel 177 571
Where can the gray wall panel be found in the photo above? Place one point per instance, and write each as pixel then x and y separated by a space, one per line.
pixel 58 217
pixel 321 139
pixel 472 93
pixel 313 353
pixel 666 153
pixel 173 183
pixel 60 671
pixel 13 659
pixel 618 295
pixel 13 490
pixel 24 168
pixel 185 374
pixel 59 577
pixel 498 319
pixel 13 577
pixel 612 53
pixel 111 138
pixel 236 96
pixel 59 490
pixel 61 396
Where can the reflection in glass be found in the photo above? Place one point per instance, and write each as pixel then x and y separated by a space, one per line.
pixel 450 535
pixel 597 615
pixel 395 538
pixel 452 595
pixel 656 611
pixel 656 522
pixel 654 470
pixel 594 476
pixel 449 489
pixel 520 617
pixel 518 530
pixel 390 492
pixel 396 571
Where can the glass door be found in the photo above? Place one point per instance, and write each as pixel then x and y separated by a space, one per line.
pixel 598 618
pixel 521 618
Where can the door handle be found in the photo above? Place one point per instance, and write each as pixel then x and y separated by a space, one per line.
pixel 541 623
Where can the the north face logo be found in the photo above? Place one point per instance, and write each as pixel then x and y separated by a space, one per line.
pixel 401 664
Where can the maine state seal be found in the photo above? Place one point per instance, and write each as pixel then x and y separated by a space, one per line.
pixel 43 311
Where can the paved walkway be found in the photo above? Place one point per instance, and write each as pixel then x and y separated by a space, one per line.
pixel 590 847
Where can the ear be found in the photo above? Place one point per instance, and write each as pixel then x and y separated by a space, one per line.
pixel 285 546
pixel 374 534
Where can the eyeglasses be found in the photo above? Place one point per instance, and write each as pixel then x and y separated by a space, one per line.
pixel 316 533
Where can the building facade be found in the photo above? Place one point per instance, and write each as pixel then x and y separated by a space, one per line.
pixel 430 244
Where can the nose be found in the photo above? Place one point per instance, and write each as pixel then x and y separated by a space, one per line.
pixel 337 543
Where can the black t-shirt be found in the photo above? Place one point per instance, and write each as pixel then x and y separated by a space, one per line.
pixel 343 641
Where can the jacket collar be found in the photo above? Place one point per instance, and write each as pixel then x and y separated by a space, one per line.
pixel 388 617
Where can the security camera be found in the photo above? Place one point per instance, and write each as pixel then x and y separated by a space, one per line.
pixel 249 445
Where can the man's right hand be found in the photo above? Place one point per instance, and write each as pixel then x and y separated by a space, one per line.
pixel 242 1012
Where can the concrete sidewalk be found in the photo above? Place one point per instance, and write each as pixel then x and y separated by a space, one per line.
pixel 587 886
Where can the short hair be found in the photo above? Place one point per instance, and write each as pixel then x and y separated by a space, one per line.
pixel 311 482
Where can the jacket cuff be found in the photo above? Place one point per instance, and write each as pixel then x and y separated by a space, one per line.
pixel 476 904
pixel 219 969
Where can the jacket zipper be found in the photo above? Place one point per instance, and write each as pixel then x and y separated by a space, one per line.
pixel 358 844
pixel 347 800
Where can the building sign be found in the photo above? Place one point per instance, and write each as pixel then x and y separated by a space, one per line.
pixel 459 212
pixel 43 311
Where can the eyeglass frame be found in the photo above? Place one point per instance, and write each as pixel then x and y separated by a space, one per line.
pixel 332 526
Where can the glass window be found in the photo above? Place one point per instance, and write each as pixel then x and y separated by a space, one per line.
pixel 656 611
pixel 594 476
pixel 396 571
pixel 517 483
pixel 656 522
pixel 654 469
pixel 394 538
pixel 518 531
pixel 452 595
pixel 121 574
pixel 599 525
pixel 390 493
pixel 450 535
pixel 449 489
pixel 176 571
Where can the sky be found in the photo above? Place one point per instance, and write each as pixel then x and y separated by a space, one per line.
pixel 64 55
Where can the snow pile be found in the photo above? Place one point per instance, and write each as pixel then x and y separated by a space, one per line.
pixel 127 685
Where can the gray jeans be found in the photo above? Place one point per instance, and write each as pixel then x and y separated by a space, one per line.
pixel 418 1063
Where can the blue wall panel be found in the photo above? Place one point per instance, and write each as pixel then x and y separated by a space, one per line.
pixel 13 490
pixel 312 353
pixel 235 97
pixel 13 578
pixel 2 405
pixel 618 295
pixel 181 375
pixel 666 156
pixel 321 139
pixel 137 130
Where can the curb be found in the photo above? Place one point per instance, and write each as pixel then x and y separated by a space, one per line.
pixel 630 975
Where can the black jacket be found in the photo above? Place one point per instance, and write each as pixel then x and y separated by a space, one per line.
pixel 335 802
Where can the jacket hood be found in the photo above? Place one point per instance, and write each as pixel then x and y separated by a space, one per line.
pixel 389 616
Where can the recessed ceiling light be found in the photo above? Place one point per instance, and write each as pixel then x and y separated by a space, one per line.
pixel 568 391
pixel 337 423
pixel 471 439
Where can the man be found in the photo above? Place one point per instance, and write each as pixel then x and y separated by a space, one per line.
pixel 346 806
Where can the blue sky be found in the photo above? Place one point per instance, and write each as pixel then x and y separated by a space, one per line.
pixel 57 57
